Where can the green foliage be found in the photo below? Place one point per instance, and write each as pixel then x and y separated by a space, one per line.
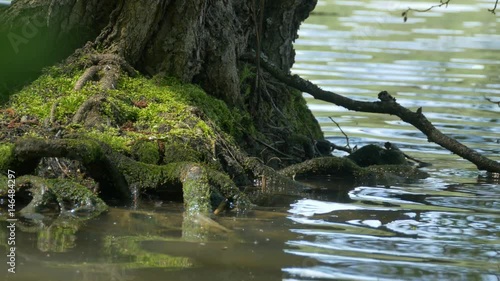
pixel 246 73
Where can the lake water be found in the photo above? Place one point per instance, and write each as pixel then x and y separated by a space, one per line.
pixel 446 227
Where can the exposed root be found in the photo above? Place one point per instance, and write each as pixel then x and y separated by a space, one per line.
pixel 346 169
pixel 112 59
pixel 104 68
pixel 88 106
pixel 203 188
pixel 70 197
pixel 109 80
pixel 88 75
pixel 53 109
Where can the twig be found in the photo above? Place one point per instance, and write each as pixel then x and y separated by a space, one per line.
pixel 52 118
pixel 442 3
pixel 272 148
pixel 60 167
pixel 342 131
pixel 494 8
pixel 273 158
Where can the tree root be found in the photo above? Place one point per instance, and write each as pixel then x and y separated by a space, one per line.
pixel 387 105
pixel 69 196
pixel 203 188
pixel 89 105
pixel 345 168
pixel 104 68
pixel 88 75
pixel 275 182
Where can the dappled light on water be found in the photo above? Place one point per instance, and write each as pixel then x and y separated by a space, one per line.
pixel 435 234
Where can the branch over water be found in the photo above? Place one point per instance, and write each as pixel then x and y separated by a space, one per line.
pixel 386 105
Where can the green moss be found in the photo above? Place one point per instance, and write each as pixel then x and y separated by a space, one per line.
pixel 6 151
pixel 175 152
pixel 146 152
pixel 87 150
pixel 196 190
pixel 159 108
pixel 114 138
pixel 81 198
pixel 67 195
pixel 301 117
pixel 36 100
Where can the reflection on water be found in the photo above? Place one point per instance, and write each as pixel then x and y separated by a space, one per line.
pixel 446 227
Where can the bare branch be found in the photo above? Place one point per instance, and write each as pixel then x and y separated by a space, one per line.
pixel 494 8
pixel 386 106
pixel 442 3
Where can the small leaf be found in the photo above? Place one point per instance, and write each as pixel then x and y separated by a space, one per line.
pixel 405 18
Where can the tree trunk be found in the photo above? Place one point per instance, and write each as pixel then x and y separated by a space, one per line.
pixel 198 42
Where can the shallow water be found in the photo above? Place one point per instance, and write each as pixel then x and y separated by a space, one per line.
pixel 446 227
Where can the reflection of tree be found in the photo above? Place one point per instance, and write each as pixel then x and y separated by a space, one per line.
pixel 55 235
pixel 128 248
pixel 111 271
pixel 58 237
pixel 492 101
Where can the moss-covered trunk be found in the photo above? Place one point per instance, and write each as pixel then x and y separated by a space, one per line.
pixel 123 86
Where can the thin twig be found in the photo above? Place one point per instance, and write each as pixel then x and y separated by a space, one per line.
pixel 60 167
pixel 442 3
pixel 52 118
pixel 494 8
pixel 272 148
pixel 342 131
pixel 273 158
